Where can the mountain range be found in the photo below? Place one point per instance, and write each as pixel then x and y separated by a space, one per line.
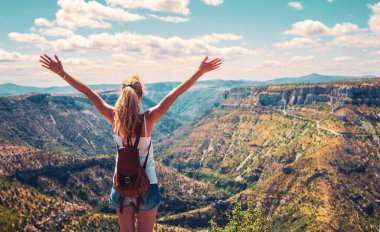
pixel 9 89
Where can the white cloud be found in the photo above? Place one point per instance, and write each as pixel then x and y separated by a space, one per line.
pixel 359 41
pixel 145 45
pixel 170 19
pixel 342 59
pixel 55 32
pixel 298 42
pixel 310 28
pixel 302 58
pixel 307 28
pixel 269 64
pixel 359 38
pixel 376 53
pixel 172 6
pixel 213 2
pixel 14 56
pixel 27 38
pixel 122 57
pixel 345 28
pixel 42 22
pixel 79 61
pixel 374 21
pixel 330 1
pixel 79 13
pixel 295 5
pixel 215 38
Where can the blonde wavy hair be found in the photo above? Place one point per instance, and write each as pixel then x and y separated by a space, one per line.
pixel 127 108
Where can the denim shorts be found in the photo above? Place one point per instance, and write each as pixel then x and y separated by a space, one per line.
pixel 147 202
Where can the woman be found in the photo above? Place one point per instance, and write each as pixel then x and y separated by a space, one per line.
pixel 123 118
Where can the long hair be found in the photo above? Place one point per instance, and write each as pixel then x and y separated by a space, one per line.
pixel 127 108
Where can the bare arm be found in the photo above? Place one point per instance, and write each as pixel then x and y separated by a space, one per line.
pixel 99 103
pixel 160 109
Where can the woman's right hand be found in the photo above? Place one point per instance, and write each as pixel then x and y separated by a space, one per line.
pixel 209 66
pixel 49 63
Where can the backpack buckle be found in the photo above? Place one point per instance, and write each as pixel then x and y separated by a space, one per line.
pixel 127 178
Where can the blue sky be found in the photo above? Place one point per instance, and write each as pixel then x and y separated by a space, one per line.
pixel 164 40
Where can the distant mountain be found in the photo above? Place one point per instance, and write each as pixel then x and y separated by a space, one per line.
pixel 312 78
pixel 66 124
pixel 9 89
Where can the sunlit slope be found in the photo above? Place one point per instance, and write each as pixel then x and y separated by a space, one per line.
pixel 312 165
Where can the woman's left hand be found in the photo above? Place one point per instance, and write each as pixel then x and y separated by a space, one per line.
pixel 209 66
pixel 49 63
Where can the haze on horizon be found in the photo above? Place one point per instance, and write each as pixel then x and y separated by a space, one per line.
pixel 107 40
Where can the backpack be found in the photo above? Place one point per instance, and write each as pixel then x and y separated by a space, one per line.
pixel 130 178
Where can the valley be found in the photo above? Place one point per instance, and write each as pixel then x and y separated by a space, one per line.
pixel 308 154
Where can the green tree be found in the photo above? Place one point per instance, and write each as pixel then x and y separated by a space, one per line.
pixel 8 220
pixel 239 220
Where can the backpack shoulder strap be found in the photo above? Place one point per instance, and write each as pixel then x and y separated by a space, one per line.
pixel 142 120
pixel 139 127
pixel 146 158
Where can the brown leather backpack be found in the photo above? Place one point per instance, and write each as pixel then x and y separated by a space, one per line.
pixel 130 178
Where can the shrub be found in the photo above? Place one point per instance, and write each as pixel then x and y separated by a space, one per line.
pixel 9 220
pixel 239 220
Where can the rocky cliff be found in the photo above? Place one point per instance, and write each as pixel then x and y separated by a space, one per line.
pixel 360 92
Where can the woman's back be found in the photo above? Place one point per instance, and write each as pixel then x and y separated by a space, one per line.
pixel 143 151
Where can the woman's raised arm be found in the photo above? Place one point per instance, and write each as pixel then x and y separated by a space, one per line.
pixel 57 67
pixel 160 109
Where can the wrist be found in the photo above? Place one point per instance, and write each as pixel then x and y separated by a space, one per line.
pixel 61 72
pixel 200 72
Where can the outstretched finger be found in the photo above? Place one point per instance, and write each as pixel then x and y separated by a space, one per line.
pixel 215 67
pixel 217 63
pixel 215 60
pixel 204 60
pixel 45 66
pixel 46 60
pixel 48 57
pixel 56 57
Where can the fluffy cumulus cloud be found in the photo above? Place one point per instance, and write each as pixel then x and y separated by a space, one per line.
pixel 298 42
pixel 79 13
pixel 346 34
pixel 27 38
pixel 215 38
pixel 54 31
pixel 172 6
pixel 356 41
pixel 14 56
pixel 145 45
pixel 213 2
pixel 295 5
pixel 75 14
pixel 42 22
pixel 374 21
pixel 310 28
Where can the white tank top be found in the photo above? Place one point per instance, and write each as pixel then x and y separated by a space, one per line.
pixel 143 151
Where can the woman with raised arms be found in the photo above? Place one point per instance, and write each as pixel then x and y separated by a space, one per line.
pixel 124 118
